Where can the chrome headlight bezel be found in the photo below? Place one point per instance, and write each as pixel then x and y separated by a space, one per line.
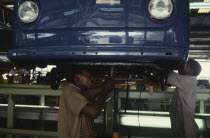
pixel 26 4
pixel 156 15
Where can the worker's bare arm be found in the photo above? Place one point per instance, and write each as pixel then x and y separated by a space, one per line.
pixel 94 110
pixel 95 91
pixel 91 93
pixel 175 79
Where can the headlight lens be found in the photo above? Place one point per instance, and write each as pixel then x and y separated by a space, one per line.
pixel 28 11
pixel 160 9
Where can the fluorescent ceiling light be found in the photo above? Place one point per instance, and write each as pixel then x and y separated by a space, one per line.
pixel 153 121
pixel 204 7
pixel 204 10
pixel 10 6
pixel 198 5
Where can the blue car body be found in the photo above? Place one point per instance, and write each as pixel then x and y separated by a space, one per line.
pixel 84 31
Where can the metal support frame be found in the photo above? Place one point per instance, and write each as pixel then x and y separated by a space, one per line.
pixel 10 114
pixel 29 132
pixel 43 91
pixel 11 90
pixel 202 106
pixel 42 100
pixel 109 118
pixel 115 123
pixel 127 94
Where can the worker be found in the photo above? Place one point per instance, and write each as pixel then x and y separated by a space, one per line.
pixel 77 107
pixel 182 107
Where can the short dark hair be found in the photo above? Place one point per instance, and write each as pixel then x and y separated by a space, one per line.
pixel 194 66
pixel 73 71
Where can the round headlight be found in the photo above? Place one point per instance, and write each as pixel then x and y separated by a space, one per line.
pixel 160 9
pixel 28 11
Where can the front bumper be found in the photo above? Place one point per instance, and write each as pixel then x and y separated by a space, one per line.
pixel 157 57
pixel 149 53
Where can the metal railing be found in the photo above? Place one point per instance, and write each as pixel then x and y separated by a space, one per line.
pixel 42 91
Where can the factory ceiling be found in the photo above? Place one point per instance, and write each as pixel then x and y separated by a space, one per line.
pixel 200 30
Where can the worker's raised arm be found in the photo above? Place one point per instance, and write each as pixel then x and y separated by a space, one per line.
pixel 92 93
pixel 94 110
pixel 95 91
pixel 175 79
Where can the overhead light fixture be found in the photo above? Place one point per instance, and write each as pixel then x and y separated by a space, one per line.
pixel 204 10
pixel 10 6
pixel 153 121
pixel 204 7
pixel 199 5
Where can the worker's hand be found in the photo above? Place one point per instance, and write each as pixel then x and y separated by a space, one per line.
pixel 109 84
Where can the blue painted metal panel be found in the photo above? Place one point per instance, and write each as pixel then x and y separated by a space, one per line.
pixel 82 29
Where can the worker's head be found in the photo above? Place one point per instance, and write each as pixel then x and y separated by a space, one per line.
pixel 192 68
pixel 80 77
pixel 83 79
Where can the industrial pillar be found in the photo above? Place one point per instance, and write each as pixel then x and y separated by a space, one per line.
pixel 42 100
pixel 202 106
pixel 115 123
pixel 10 114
